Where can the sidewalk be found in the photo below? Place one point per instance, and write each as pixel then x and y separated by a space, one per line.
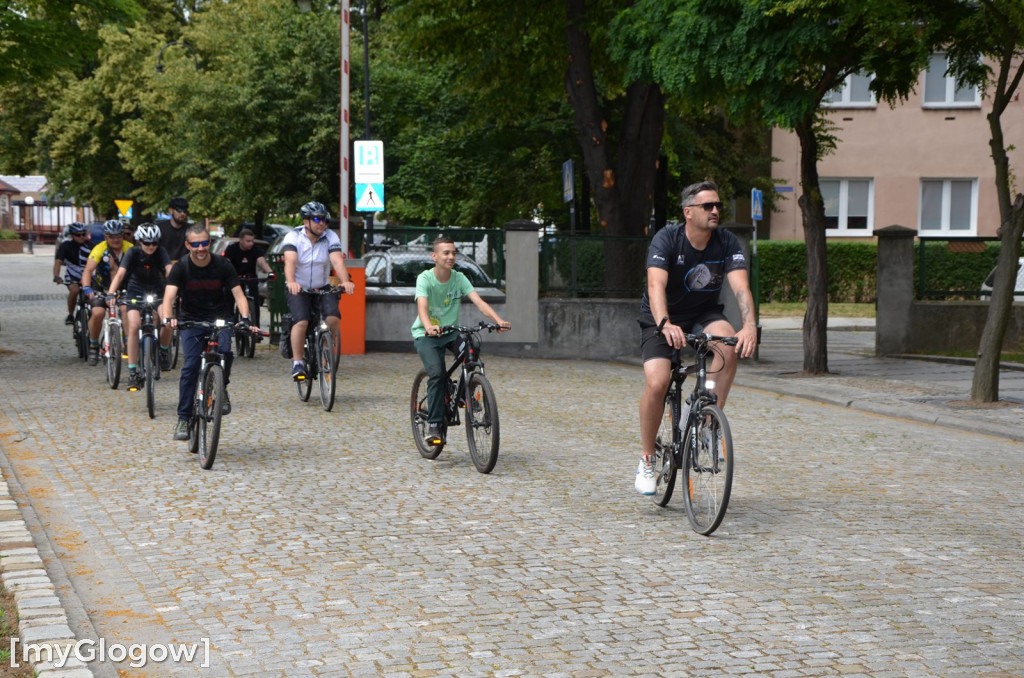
pixel 933 390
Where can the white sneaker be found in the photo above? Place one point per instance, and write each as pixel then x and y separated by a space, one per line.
pixel 645 481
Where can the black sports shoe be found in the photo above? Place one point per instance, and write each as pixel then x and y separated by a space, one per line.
pixel 70 320
pixel 434 436
pixel 165 359
pixel 94 354
pixel 225 407
pixel 134 381
pixel 298 372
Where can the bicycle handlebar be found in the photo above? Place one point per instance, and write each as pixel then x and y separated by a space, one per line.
pixel 218 325
pixel 467 329
pixel 701 339
pixel 330 290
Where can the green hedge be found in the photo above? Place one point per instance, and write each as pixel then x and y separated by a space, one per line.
pixel 8 234
pixel 852 266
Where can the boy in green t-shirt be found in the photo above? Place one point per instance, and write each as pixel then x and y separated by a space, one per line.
pixel 439 292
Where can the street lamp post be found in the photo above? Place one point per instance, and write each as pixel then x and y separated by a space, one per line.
pixel 29 202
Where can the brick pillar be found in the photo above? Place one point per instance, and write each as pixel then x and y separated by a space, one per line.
pixel 894 289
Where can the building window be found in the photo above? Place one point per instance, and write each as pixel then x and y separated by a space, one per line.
pixel 949 207
pixel 849 204
pixel 941 90
pixel 854 93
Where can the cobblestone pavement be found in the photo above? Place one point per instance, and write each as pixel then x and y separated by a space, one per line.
pixel 321 544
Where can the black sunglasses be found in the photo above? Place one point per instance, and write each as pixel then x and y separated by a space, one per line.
pixel 708 206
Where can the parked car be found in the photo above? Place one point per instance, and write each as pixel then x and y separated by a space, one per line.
pixel 1018 287
pixel 221 244
pixel 394 271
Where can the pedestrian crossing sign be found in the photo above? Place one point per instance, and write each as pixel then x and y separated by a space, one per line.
pixel 370 197
pixel 756 205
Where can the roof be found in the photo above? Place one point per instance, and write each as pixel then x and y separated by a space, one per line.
pixel 7 188
pixel 34 183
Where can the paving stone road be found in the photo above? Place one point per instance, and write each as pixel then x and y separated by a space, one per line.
pixel 321 544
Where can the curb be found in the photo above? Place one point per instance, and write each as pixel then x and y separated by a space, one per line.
pixel 42 620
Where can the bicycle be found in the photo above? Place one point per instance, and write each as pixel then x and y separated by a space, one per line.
pixel 698 441
pixel 112 340
pixel 175 348
pixel 207 407
pixel 245 343
pixel 471 391
pixel 319 353
pixel 80 326
pixel 149 346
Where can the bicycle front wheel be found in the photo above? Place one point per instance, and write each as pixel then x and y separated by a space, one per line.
pixel 665 448
pixel 482 431
pixel 151 367
pixel 113 356
pixel 305 386
pixel 175 347
pixel 82 333
pixel 418 415
pixel 327 368
pixel 210 414
pixel 707 470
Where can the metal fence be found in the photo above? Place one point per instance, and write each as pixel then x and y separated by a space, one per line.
pixel 954 269
pixel 585 265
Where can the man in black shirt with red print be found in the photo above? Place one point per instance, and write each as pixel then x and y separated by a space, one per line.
pixel 686 267
pixel 207 284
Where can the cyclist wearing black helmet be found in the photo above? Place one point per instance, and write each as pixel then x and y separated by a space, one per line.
pixel 72 254
pixel 143 271
pixel 172 231
pixel 310 251
pixel 99 270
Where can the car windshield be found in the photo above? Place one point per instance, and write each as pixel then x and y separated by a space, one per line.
pixel 405 272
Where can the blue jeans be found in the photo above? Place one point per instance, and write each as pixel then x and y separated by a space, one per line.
pixel 193 342
pixel 431 351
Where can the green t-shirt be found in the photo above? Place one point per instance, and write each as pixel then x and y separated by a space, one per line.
pixel 443 299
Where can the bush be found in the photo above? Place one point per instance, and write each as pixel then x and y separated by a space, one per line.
pixel 851 271
pixel 8 234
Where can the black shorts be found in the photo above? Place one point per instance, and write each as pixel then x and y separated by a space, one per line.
pixel 299 305
pixel 653 343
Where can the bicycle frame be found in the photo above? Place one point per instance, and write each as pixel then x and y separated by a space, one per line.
pixel 466 360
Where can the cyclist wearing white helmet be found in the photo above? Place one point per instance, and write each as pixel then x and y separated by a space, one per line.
pixel 310 251
pixel 144 270
pixel 99 270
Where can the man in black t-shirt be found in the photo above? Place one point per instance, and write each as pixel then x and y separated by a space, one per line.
pixel 686 268
pixel 73 255
pixel 207 283
pixel 172 231
pixel 248 259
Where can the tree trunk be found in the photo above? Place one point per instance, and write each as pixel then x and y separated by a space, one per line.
pixel 622 184
pixel 985 384
pixel 812 208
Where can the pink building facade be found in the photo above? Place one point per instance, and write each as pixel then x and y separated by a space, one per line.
pixel 925 164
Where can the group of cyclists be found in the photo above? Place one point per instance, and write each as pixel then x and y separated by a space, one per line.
pixel 171 259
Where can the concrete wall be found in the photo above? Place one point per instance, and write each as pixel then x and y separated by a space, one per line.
pixel 957 325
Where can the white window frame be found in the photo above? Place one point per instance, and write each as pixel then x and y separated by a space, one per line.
pixel 842 99
pixel 844 206
pixel 948 100
pixel 945 230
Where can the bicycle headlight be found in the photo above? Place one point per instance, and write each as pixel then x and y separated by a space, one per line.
pixel 219 322
pixel 150 298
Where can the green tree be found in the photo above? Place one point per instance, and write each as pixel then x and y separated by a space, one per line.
pixel 780 58
pixel 994 29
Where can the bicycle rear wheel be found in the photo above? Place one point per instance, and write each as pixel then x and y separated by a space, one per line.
pixel 418 416
pixel 243 340
pixel 666 445
pixel 210 414
pixel 152 369
pixel 327 368
pixel 482 430
pixel 113 356
pixel 707 470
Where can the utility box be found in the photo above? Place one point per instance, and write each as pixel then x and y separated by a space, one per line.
pixel 353 311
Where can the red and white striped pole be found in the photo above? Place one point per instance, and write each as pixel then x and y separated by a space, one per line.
pixel 344 27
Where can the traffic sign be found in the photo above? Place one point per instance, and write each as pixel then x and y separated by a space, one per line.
pixel 124 208
pixel 568 183
pixel 370 197
pixel 756 204
pixel 369 162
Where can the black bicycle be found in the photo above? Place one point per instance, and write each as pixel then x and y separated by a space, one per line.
pixel 207 408
pixel 320 352
pixel 471 391
pixel 245 342
pixel 149 347
pixel 694 437
pixel 80 326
